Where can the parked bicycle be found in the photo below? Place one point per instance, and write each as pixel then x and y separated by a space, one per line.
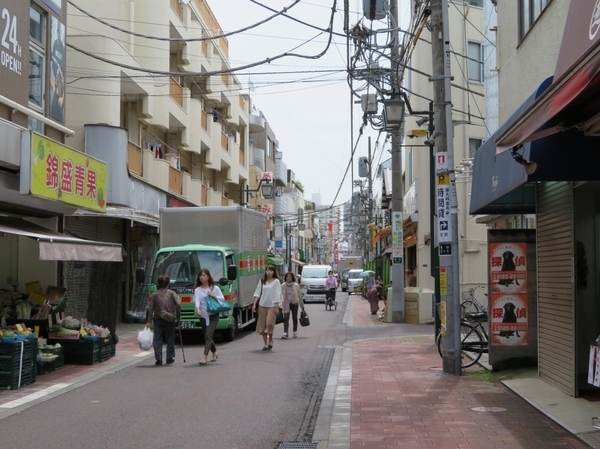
pixel 474 339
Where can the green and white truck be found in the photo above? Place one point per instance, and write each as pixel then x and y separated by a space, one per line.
pixel 230 241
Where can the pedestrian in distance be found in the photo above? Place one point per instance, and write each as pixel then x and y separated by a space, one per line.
pixel 369 283
pixel 374 295
pixel 292 300
pixel 164 300
pixel 267 300
pixel 205 286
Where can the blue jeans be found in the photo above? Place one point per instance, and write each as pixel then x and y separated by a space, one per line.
pixel 164 330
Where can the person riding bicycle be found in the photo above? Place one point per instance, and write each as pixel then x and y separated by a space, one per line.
pixel 331 284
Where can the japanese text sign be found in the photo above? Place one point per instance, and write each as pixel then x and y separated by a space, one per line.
pixel 63 174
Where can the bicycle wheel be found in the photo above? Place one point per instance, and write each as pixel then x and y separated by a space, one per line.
pixel 472 344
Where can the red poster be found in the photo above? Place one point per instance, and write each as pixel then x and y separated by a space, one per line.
pixel 508 268
pixel 510 326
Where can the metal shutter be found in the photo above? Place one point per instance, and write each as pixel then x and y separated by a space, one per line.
pixel 102 229
pixel 556 290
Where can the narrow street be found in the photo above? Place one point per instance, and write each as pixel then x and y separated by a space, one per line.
pixel 249 398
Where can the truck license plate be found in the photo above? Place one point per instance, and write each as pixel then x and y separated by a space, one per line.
pixel 186 325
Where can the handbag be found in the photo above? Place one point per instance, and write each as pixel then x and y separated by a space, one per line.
pixel 279 317
pixel 214 306
pixel 304 319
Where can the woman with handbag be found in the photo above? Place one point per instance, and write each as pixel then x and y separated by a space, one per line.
pixel 267 298
pixel 291 301
pixel 164 311
pixel 205 288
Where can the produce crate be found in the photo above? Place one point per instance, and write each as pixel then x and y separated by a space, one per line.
pixel 10 381
pixel 79 352
pixel 107 348
pixel 13 349
pixel 8 364
pixel 48 367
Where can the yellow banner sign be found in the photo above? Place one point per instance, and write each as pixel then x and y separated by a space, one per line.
pixel 63 174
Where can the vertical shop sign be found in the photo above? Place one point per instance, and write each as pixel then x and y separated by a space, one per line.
pixel 63 174
pixel 509 294
pixel 57 71
pixel 14 50
pixel 397 237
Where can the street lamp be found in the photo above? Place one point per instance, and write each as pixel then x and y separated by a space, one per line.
pixel 265 186
pixel 393 113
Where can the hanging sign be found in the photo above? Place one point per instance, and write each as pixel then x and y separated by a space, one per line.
pixel 397 238
pixel 442 205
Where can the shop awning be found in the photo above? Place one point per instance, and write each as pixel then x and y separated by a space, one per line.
pixel 57 246
pixel 501 185
pixel 297 262
pixel 126 213
pixel 382 234
pixel 574 97
pixel 272 260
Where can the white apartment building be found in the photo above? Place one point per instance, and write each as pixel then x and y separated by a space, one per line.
pixel 467 43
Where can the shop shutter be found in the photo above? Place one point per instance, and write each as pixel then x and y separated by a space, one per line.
pixel 556 290
pixel 102 229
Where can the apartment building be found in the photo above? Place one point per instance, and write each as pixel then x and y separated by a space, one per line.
pixel 467 40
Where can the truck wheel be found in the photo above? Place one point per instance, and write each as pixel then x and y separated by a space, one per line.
pixel 229 334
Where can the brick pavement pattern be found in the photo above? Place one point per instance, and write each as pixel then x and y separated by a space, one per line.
pixel 401 398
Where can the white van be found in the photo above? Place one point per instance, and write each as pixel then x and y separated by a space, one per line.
pixel 312 285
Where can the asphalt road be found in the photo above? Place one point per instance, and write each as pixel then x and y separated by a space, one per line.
pixel 249 398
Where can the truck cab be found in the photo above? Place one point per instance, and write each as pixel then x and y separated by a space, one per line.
pixel 182 264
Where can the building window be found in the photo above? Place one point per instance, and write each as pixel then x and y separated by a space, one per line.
pixel 474 145
pixel 37 63
pixel 529 12
pixel 475 62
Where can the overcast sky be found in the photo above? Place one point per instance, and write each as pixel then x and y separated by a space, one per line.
pixel 308 107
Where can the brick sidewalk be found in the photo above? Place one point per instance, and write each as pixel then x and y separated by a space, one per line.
pixel 401 398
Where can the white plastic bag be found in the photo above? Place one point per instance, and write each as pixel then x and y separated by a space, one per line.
pixel 145 339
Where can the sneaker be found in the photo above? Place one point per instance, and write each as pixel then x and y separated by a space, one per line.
pixel 295 334
pixel 285 335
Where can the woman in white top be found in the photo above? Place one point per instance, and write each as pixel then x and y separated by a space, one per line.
pixel 267 299
pixel 205 286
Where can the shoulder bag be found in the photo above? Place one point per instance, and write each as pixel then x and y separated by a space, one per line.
pixel 214 306
pixel 162 313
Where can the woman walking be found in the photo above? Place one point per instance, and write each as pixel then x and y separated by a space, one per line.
pixel 267 298
pixel 205 286
pixel 164 311
pixel 291 301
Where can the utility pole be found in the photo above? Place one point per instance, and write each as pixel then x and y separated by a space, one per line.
pixel 446 201
pixel 397 301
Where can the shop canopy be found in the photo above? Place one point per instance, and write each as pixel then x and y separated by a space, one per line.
pixel 500 183
pixel 573 99
pixel 56 246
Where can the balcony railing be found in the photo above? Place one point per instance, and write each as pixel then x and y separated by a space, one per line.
pixel 225 78
pixel 204 195
pixel 224 201
pixel 242 103
pixel 204 121
pixel 175 180
pixel 176 91
pixel 134 159
pixel 178 8
pixel 224 141
pixel 242 158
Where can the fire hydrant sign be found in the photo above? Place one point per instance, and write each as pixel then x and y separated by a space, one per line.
pixel 442 206
pixel 509 301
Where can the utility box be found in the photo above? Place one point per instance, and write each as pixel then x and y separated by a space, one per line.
pixel 375 9
pixel 369 103
pixel 418 307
